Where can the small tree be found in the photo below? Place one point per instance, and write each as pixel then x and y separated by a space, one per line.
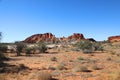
pixel 3 48
pixel 19 47
pixel 0 36
pixel 42 47
pixel 2 55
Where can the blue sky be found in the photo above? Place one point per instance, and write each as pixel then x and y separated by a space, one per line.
pixel 20 19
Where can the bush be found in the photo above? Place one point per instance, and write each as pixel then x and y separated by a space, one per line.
pixel 3 57
pixel 42 47
pixel 85 45
pixel 3 48
pixel 53 59
pixel 44 76
pixel 29 50
pixel 19 47
pixel 98 46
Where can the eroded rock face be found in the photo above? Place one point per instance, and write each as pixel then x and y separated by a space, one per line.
pixel 48 37
pixel 114 38
pixel 76 36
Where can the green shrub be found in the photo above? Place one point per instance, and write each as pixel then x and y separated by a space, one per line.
pixel 3 57
pixel 44 76
pixel 3 48
pixel 28 51
pixel 98 46
pixel 19 47
pixel 85 45
pixel 42 47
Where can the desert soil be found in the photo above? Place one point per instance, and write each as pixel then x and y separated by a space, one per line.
pixel 106 65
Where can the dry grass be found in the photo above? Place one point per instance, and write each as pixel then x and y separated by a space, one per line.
pixel 44 76
pixel 65 65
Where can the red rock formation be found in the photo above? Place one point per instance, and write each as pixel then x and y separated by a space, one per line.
pixel 47 37
pixel 114 38
pixel 76 36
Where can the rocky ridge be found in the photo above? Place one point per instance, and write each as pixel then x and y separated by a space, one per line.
pixel 49 37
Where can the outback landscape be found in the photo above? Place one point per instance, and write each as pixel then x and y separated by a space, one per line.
pixel 45 57
pixel 59 39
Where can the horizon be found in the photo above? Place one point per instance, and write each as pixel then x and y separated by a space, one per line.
pixel 98 19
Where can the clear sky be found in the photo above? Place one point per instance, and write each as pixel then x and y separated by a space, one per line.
pixel 20 19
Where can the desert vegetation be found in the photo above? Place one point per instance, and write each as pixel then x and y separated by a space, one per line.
pixel 82 60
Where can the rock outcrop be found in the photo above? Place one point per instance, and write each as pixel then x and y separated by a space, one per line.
pixel 47 37
pixel 114 38
pixel 76 36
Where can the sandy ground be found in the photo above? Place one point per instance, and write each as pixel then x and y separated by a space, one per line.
pixel 70 61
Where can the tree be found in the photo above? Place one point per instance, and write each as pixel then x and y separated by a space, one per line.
pixel 2 55
pixel 0 36
pixel 19 47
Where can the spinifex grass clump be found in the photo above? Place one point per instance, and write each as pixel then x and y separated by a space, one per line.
pixel 44 76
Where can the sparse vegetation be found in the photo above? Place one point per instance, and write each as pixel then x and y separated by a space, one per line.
pixel 98 46
pixel 28 51
pixel 80 58
pixel 3 57
pixel 53 59
pixel 81 69
pixel 44 76
pixel 19 47
pixel 114 75
pixel 61 67
pixel 3 48
pixel 87 46
pixel 95 67
pixel 42 47
pixel 69 58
